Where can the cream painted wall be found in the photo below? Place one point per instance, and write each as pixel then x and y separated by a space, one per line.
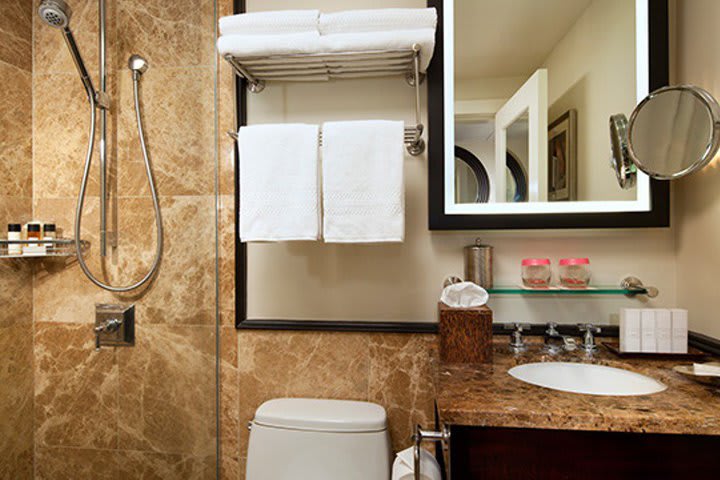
pixel 401 282
pixel 697 197
pixel 592 69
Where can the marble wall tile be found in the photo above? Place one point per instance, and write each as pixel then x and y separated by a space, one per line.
pixel 401 380
pixel 15 275
pixel 76 402
pixel 167 390
pixel 16 401
pixel 61 463
pixel 169 33
pixel 178 113
pixel 61 122
pixel 299 364
pixel 16 33
pixel 163 466
pixel 227 122
pixel 230 424
pixel 226 258
pixel 16 128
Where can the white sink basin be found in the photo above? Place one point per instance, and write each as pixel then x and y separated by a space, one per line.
pixel 587 379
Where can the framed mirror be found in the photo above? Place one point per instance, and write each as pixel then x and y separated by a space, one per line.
pixel 538 81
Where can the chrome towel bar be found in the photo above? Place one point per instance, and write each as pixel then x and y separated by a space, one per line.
pixel 257 71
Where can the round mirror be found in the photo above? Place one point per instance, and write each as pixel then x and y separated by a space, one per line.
pixel 674 131
pixel 620 162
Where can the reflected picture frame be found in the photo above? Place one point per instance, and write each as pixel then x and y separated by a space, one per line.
pixel 562 158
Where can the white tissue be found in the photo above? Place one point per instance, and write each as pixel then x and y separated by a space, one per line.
pixel 464 294
pixel 403 467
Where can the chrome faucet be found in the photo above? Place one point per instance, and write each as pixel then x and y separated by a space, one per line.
pixel 517 343
pixel 555 342
pixel 589 336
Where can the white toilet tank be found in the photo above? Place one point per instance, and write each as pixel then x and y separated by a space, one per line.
pixel 311 439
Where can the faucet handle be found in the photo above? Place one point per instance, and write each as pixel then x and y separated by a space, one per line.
pixel 589 337
pixel 519 327
pixel 517 343
pixel 589 327
pixel 552 328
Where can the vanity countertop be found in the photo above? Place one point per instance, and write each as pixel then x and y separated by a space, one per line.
pixel 487 396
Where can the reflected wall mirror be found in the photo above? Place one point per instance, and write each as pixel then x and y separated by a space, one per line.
pixel 537 82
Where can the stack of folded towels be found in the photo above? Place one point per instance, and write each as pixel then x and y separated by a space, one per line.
pixel 308 31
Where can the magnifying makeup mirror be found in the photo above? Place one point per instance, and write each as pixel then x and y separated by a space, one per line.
pixel 673 132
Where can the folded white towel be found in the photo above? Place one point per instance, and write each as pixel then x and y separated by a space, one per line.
pixel 363 191
pixel 264 45
pixel 279 197
pixel 385 40
pixel 381 19
pixel 270 23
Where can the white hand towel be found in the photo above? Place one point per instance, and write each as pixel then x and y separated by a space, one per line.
pixel 363 190
pixel 264 45
pixel 279 197
pixel 386 40
pixel 269 23
pixel 381 19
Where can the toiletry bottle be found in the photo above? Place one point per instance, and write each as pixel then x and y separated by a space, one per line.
pixel 33 232
pixel 14 233
pixel 49 233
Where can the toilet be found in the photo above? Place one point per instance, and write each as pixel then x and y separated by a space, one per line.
pixel 313 439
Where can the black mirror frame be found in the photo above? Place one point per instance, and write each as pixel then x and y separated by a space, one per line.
pixel 658 216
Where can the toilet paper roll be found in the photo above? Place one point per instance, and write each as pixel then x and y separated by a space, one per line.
pixel 403 466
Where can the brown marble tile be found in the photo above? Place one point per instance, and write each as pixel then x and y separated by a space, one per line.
pixel 401 380
pixel 229 396
pixel 60 134
pixel 62 292
pixel 183 291
pixel 167 390
pixel 16 33
pixel 232 468
pixel 487 396
pixel 162 466
pixel 169 33
pixel 179 118
pixel 76 464
pixel 15 275
pixel 16 125
pixel 226 254
pixel 16 401
pixel 227 121
pixel 299 364
pixel 76 402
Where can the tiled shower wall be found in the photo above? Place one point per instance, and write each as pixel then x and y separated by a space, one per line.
pixel 146 411
pixel 16 391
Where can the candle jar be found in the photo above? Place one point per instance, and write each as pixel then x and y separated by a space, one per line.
pixel 575 272
pixel 536 272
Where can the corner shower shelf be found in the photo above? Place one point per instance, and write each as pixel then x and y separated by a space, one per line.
pixel 61 247
pixel 313 67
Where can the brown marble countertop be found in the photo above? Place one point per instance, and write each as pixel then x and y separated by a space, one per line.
pixel 486 395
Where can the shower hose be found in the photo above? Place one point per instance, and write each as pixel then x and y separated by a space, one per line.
pixel 83 188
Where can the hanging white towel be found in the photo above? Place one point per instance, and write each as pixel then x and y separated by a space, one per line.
pixel 376 20
pixel 279 197
pixel 270 23
pixel 363 189
pixel 385 40
pixel 263 45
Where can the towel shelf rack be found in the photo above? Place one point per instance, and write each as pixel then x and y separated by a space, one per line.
pixel 257 71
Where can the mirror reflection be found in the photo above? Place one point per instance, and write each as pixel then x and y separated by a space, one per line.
pixel 541 79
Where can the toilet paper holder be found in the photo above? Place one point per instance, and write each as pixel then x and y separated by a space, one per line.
pixel 422 435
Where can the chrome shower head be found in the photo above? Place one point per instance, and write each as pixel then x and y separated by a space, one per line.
pixel 138 64
pixel 55 13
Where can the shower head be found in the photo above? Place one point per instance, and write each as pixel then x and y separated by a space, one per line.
pixel 138 64
pixel 55 13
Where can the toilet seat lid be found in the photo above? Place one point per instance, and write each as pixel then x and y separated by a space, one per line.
pixel 322 415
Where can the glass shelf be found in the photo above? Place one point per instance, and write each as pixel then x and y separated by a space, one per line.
pixel 592 290
pixel 60 247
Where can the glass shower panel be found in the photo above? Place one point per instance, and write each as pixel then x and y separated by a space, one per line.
pixel 147 410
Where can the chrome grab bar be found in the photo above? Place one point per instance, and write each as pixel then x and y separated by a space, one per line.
pixel 420 436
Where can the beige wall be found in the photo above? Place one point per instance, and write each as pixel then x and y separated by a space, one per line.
pixel 16 375
pixel 592 70
pixel 697 203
